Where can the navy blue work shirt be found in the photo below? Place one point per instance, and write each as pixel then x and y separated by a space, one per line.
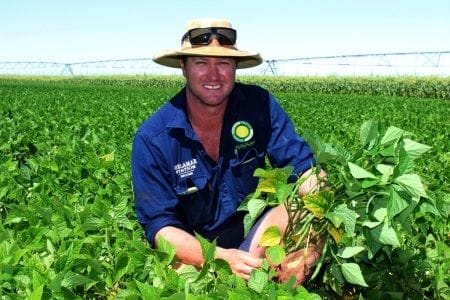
pixel 176 183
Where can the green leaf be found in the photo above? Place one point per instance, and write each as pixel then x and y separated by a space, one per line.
pixel 37 293
pixel 380 213
pixel 396 204
pixel 258 280
pixel 385 235
pixel 352 273
pixel 335 219
pixel 386 172
pixel 283 190
pixel 275 254
pixel 368 183
pixel 392 135
pixel 348 252
pixel 208 248
pixel 167 248
pixel 319 203
pixel 415 149
pixel 412 184
pixel 388 151
pixel 270 237
pixel 121 265
pixel 371 224
pixel 368 133
pixel 147 290
pixel 358 172
pixel 72 280
pixel 405 164
pixel 256 207
pixel 348 216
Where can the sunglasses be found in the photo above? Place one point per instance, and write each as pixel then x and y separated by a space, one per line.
pixel 203 36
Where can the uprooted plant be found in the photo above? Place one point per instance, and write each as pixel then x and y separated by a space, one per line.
pixel 365 215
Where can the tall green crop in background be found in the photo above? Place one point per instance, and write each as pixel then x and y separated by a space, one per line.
pixel 68 227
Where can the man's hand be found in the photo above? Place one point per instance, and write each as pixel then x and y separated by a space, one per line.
pixel 189 252
pixel 312 182
pixel 299 264
pixel 241 262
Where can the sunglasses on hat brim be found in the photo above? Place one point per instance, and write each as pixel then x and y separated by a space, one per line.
pixel 203 36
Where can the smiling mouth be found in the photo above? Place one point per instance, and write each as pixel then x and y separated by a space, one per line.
pixel 212 87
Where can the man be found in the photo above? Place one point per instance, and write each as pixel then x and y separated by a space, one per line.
pixel 193 160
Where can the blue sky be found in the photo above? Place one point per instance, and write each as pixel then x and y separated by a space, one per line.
pixel 75 31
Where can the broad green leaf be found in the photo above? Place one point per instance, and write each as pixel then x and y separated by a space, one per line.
pixel 348 216
pixel 275 254
pixel 319 203
pixel 405 164
pixel 208 248
pixel 348 252
pixel 258 280
pixel 72 280
pixel 283 190
pixel 388 151
pixel 166 247
pixel 38 279
pixel 396 204
pixel 412 184
pixel 371 224
pixel 266 185
pixel 37 293
pixel 358 172
pixel 385 235
pixel 248 223
pixel 335 219
pixel 256 207
pixel 392 135
pixel 368 183
pixel 352 273
pixel 380 214
pixel 121 265
pixel 147 290
pixel 415 149
pixel 328 153
pixel 429 208
pixel 368 133
pixel 270 237
pixel 386 172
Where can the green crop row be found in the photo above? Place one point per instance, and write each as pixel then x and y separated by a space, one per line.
pixel 415 87
pixel 67 223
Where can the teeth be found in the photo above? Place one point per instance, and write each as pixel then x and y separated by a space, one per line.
pixel 211 87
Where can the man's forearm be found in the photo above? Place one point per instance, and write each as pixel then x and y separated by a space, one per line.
pixel 188 249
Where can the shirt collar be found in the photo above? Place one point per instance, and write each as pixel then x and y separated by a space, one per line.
pixel 179 119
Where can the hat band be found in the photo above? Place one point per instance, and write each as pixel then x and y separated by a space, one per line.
pixel 203 36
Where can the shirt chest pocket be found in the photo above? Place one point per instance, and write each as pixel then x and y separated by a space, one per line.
pixel 194 205
pixel 243 167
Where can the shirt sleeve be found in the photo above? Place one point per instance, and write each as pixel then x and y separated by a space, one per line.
pixel 155 201
pixel 286 147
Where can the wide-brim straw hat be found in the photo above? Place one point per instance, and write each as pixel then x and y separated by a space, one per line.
pixel 171 58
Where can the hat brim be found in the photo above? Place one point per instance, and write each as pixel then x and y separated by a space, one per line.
pixel 244 59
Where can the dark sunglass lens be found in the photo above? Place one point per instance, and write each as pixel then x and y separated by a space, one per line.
pixel 202 39
pixel 226 36
pixel 224 40
pixel 200 36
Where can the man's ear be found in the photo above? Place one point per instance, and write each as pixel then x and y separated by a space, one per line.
pixel 183 65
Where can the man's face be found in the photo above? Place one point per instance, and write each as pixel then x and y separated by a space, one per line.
pixel 209 80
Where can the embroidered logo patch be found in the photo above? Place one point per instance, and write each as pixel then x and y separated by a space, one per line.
pixel 186 168
pixel 242 131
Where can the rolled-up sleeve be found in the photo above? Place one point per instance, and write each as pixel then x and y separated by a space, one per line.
pixel 155 202
pixel 286 147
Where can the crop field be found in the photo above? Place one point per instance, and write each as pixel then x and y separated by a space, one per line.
pixel 68 228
